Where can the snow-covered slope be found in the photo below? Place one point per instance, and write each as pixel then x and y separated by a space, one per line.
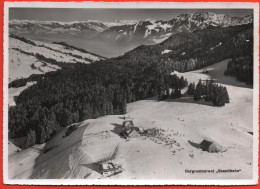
pixel 24 57
pixel 22 65
pixel 179 121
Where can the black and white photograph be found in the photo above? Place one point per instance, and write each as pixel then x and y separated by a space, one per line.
pixel 131 93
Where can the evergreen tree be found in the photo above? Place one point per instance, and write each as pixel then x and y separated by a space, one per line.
pixel 123 107
pixel 30 138
pixel 75 117
pixel 177 93
pixel 186 82
pixel 211 91
pixel 198 91
pixel 207 92
pixel 65 118
pixel 226 96
pixel 182 83
pixel 175 81
pixel 191 89
pixel 220 97
pixel 96 112
pixel 160 87
pixel 86 111
pixel 172 94
pixel 203 89
pixel 41 136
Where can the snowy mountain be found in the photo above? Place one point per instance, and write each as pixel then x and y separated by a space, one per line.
pixel 157 31
pixel 92 26
pixel 27 57
pixel 131 29
pixel 33 26
pixel 121 35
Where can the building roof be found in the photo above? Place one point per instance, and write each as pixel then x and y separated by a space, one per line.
pixel 128 122
pixel 205 144
pixel 134 133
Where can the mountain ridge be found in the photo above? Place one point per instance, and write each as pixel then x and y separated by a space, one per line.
pixel 149 31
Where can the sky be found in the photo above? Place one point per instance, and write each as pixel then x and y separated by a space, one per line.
pixel 108 15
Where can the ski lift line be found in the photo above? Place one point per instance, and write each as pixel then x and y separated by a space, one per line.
pixel 129 150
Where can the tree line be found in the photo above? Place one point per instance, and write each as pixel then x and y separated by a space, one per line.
pixel 210 91
pixel 22 39
pixel 242 68
pixel 71 47
pixel 207 90
pixel 173 87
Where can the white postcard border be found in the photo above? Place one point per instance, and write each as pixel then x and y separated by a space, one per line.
pixel 137 5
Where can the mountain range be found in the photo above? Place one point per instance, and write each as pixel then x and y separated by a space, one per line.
pixel 121 35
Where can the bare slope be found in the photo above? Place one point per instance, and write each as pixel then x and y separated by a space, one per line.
pixel 178 120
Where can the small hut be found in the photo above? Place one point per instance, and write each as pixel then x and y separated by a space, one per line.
pixel 108 169
pixel 209 146
pixel 128 130
pixel 106 166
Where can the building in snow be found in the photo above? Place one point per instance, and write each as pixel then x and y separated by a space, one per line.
pixel 108 169
pixel 209 146
pixel 129 130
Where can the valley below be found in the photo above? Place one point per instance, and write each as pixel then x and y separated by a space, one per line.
pixel 107 49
